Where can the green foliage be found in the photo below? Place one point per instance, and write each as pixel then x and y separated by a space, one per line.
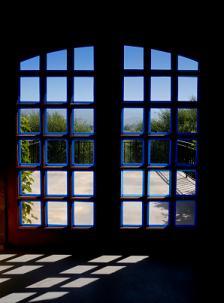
pixel 81 126
pixel 27 178
pixel 132 151
pixel 187 120
pixel 56 151
pixel 30 122
pixel 133 127
pixel 56 122
pixel 83 152
pixel 162 123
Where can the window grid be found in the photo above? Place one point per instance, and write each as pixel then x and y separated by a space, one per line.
pixel 69 137
pixel 174 104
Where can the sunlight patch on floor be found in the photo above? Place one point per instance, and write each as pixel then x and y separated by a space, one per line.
pixel 16 297
pixel 22 270
pixel 105 259
pixel 4 267
pixel 49 296
pixel 53 258
pixel 107 270
pixel 133 259
pixel 48 282
pixel 6 256
pixel 79 282
pixel 25 258
pixel 3 280
pixel 79 269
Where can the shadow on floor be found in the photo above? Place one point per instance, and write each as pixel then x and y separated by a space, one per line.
pixel 95 279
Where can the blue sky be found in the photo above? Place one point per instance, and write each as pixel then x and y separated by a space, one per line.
pixel 83 89
pixel 31 64
pixel 160 60
pixel 187 64
pixel 56 89
pixel 133 57
pixel 133 88
pixel 161 88
pixel 30 89
pixel 57 60
pixel 187 88
pixel 84 86
pixel 83 60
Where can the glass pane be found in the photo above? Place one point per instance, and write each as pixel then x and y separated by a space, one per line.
pixel 30 213
pixel 131 213
pixel 133 57
pixel 30 64
pixel 160 60
pixel 187 120
pixel 83 120
pixel 29 151
pixel 159 152
pixel 84 58
pixel 29 120
pixel 56 182
pixel 83 89
pixel 83 183
pixel 186 151
pixel 56 89
pixel 185 212
pixel 57 60
pixel 56 213
pixel 133 120
pixel 29 182
pixel 187 64
pixel 132 151
pixel 158 213
pixel 187 89
pixel 132 183
pixel 83 152
pixel 133 89
pixel 159 183
pixel 56 152
pixel 159 120
pixel 186 182
pixel 83 213
pixel 29 89
pixel 160 88
pixel 56 121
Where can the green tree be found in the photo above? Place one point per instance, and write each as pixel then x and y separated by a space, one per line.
pixel 27 178
pixel 162 122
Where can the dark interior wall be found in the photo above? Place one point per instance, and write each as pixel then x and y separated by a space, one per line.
pixel 29 43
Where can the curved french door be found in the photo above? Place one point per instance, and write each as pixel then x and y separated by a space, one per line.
pixel 104 149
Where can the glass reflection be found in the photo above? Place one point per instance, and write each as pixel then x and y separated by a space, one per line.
pixel 185 212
